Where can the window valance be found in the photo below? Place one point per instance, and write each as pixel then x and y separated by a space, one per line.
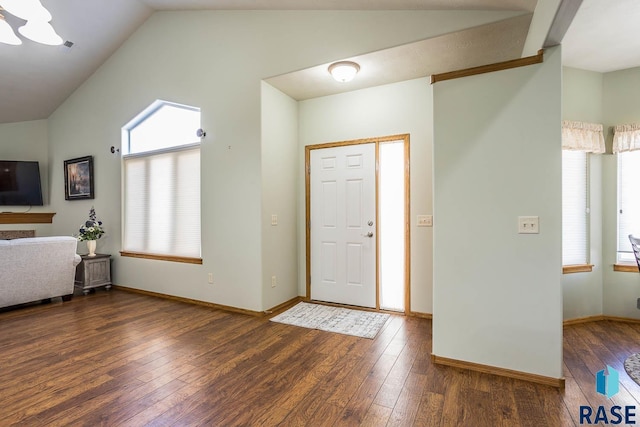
pixel 626 138
pixel 581 136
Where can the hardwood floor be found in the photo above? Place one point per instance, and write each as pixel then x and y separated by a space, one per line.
pixel 122 359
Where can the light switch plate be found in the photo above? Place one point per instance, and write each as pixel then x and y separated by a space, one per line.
pixel 425 220
pixel 274 219
pixel 528 225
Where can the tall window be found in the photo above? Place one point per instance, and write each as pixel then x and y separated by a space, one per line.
pixel 574 208
pixel 161 164
pixel 626 144
pixel 628 202
pixel 579 139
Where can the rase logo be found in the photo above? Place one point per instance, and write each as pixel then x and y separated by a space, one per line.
pixel 608 385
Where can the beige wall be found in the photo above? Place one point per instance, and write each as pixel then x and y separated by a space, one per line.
pixel 582 98
pixel 279 184
pixel 497 294
pixel 393 109
pixel 29 141
pixel 611 99
pixel 621 106
pixel 215 60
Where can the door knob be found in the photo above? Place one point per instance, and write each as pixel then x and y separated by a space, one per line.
pixel 369 234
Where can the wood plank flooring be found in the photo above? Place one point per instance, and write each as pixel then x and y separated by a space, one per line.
pixel 122 359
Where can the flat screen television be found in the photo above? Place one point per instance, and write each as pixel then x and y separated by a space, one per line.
pixel 20 183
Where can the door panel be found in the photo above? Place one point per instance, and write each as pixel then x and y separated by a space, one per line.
pixel 329 261
pixel 354 203
pixel 343 244
pixel 354 264
pixel 329 204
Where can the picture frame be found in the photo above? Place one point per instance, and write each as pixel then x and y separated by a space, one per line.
pixel 78 178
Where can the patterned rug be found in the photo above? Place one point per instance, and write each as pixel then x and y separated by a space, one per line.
pixel 632 366
pixel 359 323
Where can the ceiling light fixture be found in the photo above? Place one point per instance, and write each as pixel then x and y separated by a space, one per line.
pixel 26 9
pixel 37 27
pixel 6 33
pixel 41 32
pixel 344 71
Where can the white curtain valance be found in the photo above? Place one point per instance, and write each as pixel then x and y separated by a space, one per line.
pixel 626 138
pixel 582 136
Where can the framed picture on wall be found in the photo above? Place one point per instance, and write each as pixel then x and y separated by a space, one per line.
pixel 78 178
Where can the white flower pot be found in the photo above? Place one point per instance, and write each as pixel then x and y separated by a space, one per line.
pixel 91 245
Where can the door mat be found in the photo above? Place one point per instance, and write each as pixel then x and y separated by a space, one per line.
pixel 365 324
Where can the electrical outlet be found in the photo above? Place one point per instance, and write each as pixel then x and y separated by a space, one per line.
pixel 273 281
pixel 210 278
pixel 528 225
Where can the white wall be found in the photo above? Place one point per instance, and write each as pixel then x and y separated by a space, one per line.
pixel 279 186
pixel 621 106
pixel 380 111
pixel 29 141
pixel 497 293
pixel 214 60
pixel 582 97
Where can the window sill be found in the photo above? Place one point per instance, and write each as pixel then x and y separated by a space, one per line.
pixel 626 268
pixel 161 257
pixel 578 268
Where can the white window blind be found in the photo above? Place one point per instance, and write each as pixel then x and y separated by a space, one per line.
pixel 628 202
pixel 574 208
pixel 162 203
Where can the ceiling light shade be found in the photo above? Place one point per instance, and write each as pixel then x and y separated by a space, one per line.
pixel 41 32
pixel 344 71
pixel 7 35
pixel 26 9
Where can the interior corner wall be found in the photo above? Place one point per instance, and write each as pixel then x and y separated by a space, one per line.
pixel 582 100
pixel 29 141
pixel 621 106
pixel 279 155
pixel 392 109
pixel 497 143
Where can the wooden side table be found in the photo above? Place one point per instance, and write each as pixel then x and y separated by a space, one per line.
pixel 93 271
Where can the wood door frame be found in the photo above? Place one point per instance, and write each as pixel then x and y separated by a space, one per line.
pixel 407 213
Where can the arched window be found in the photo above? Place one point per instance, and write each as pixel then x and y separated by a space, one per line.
pixel 161 165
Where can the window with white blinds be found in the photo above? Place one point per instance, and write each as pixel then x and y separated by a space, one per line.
pixel 628 202
pixel 161 202
pixel 575 217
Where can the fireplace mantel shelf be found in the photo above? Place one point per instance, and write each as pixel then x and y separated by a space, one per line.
pixel 26 218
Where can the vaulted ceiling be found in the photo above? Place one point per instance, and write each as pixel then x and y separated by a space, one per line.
pixel 36 79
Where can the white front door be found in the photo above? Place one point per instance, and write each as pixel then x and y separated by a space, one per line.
pixel 343 224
